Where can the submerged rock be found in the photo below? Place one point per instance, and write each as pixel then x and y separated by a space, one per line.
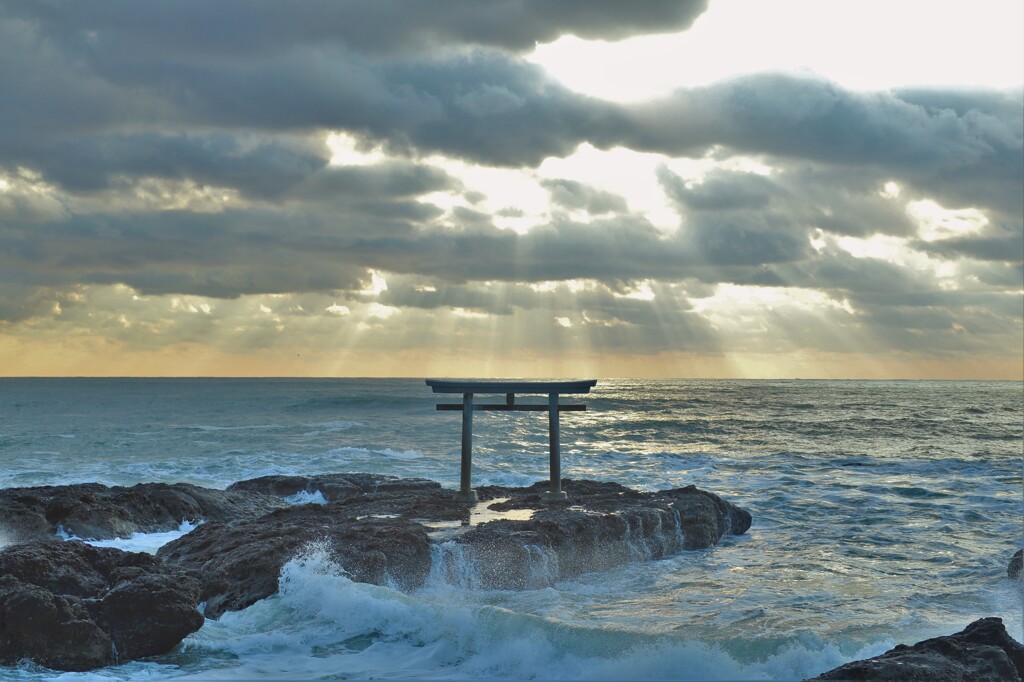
pixel 981 651
pixel 239 563
pixel 71 606
pixel 93 510
pixel 1016 564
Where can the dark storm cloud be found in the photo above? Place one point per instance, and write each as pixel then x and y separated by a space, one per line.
pixel 1006 249
pixel 254 164
pixel 482 104
pixel 611 250
pixel 182 251
pixel 796 201
pixel 814 119
pixel 722 191
pixel 382 182
pixel 245 27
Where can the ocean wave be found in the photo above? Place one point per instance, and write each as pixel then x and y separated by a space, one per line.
pixel 321 623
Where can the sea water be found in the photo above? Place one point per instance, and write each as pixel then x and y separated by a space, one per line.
pixel 883 512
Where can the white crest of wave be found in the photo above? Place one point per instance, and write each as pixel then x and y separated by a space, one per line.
pixel 401 454
pixel 321 623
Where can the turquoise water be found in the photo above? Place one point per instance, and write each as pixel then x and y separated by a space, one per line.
pixel 884 512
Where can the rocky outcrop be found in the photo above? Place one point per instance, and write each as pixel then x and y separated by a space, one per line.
pixel 1016 564
pixel 981 651
pixel 71 606
pixel 335 487
pixel 92 510
pixel 239 563
pixel 600 526
pixel 367 494
pixel 380 534
pixel 380 528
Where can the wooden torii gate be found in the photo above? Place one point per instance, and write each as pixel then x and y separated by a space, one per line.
pixel 470 388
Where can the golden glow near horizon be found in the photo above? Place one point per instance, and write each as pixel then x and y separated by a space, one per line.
pixel 698 243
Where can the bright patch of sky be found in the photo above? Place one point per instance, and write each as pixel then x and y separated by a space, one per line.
pixel 935 222
pixel 346 150
pixel 868 45
pixel 514 198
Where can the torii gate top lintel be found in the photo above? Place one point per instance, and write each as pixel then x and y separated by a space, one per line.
pixel 496 386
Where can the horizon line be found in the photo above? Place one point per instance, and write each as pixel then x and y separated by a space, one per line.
pixel 497 377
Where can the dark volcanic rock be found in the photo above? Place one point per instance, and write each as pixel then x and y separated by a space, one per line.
pixel 71 606
pixel 601 525
pixel 1016 564
pixel 367 494
pixel 92 510
pixel 240 563
pixel 981 651
pixel 335 487
pixel 375 527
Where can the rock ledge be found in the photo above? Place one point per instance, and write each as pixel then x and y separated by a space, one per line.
pixel 981 651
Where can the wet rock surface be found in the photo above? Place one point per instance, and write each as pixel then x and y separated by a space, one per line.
pixel 600 525
pixel 238 564
pixel 71 606
pixel 335 487
pixel 1016 564
pixel 366 494
pixel 96 511
pixel 981 651
pixel 380 529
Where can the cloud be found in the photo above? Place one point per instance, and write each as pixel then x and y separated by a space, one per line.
pixel 167 150
pixel 247 27
pixel 257 165
pixel 481 104
pixel 577 196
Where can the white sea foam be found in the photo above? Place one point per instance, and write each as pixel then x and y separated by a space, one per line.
pixel 306 497
pixel 321 623
pixel 137 542
pixel 400 454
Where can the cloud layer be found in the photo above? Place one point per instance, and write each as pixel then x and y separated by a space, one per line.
pixel 166 174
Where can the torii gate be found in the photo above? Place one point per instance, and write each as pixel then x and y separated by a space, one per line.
pixel 552 388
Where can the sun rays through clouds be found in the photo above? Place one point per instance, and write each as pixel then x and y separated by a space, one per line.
pixel 653 191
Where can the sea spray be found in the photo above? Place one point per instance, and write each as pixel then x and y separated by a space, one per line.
pixel 452 564
pixel 507 558
pixel 320 622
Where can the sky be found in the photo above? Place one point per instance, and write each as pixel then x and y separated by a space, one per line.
pixel 590 188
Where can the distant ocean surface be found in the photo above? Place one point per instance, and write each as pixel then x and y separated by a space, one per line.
pixel 884 512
